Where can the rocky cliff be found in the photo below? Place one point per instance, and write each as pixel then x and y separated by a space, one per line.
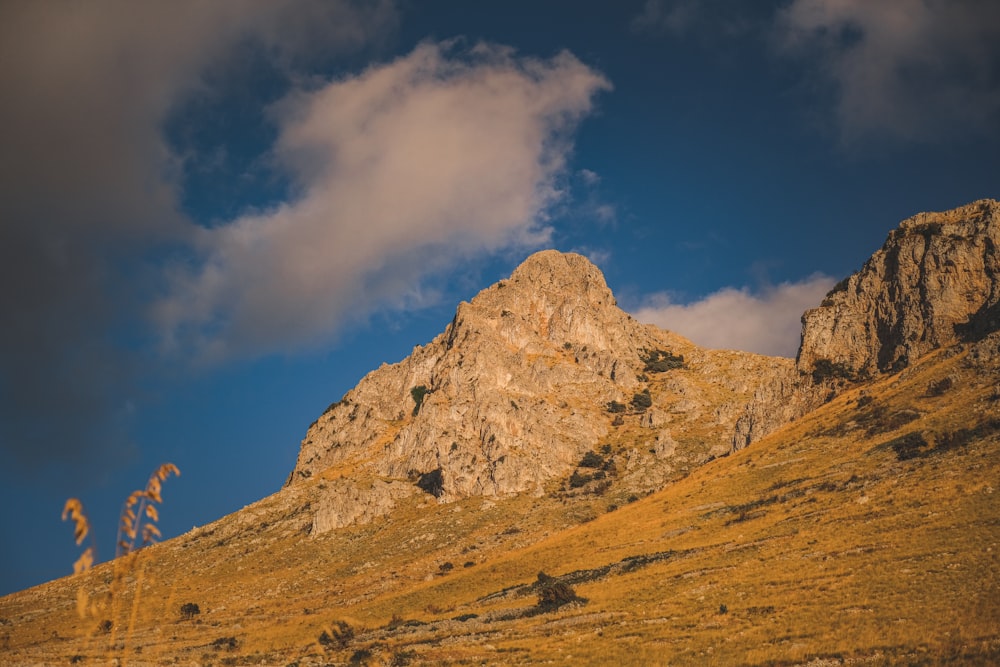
pixel 934 283
pixel 541 384
pixel 530 376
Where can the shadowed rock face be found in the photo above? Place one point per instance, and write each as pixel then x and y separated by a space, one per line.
pixel 934 283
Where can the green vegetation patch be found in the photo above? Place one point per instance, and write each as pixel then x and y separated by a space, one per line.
pixel 418 394
pixel 661 361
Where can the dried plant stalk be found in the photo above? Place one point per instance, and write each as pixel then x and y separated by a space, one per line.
pixel 139 508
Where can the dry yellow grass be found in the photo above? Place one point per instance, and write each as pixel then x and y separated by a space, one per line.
pixel 832 540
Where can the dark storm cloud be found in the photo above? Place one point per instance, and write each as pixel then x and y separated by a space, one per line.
pixel 88 187
pixel 910 70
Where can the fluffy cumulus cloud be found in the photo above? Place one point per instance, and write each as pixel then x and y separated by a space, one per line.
pixel 400 171
pixel 88 184
pixel 907 69
pixel 767 321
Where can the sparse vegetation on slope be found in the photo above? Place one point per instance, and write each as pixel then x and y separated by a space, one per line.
pixel 820 542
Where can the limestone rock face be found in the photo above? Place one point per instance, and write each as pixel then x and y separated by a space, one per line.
pixel 517 390
pixel 355 501
pixel 935 282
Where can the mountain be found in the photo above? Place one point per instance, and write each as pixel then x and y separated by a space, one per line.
pixel 530 376
pixel 935 283
pixel 550 481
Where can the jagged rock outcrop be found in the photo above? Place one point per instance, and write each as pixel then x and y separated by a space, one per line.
pixel 784 397
pixel 935 282
pixel 532 374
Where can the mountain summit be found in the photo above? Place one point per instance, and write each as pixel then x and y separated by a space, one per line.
pixel 531 375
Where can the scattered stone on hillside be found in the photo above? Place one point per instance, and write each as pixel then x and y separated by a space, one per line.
pixel 934 283
pixel 346 502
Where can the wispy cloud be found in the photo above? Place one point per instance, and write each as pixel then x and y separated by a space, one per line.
pixel 403 170
pixel 766 321
pixel 908 69
pixel 88 184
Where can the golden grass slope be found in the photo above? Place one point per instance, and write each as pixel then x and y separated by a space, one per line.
pixel 865 533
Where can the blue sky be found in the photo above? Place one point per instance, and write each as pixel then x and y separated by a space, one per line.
pixel 217 217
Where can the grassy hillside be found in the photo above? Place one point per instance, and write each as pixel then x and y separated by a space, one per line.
pixel 865 533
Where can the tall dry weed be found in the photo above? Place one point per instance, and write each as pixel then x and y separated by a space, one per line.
pixel 74 511
pixel 138 520
pixel 139 514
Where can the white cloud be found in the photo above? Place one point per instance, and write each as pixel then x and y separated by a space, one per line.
pixel 403 170
pixel 906 69
pixel 767 322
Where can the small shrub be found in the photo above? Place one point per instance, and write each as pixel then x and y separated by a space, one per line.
pixel 908 446
pixel 642 401
pixel 591 460
pixel 723 609
pixel 340 636
pixel 553 593
pixel 105 626
pixel 466 617
pixel 403 658
pixel 661 361
pixel 361 656
pixel 839 287
pixel 446 567
pixel 576 480
pixel 928 229
pixel 824 369
pixel 189 610
pixel 963 436
pixel 881 422
pixel 418 394
pixel 228 643
pixel 939 387
pixel 615 407
pixel 432 482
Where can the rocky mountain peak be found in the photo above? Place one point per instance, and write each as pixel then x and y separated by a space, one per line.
pixel 935 282
pixel 551 299
pixel 531 375
pixel 551 271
